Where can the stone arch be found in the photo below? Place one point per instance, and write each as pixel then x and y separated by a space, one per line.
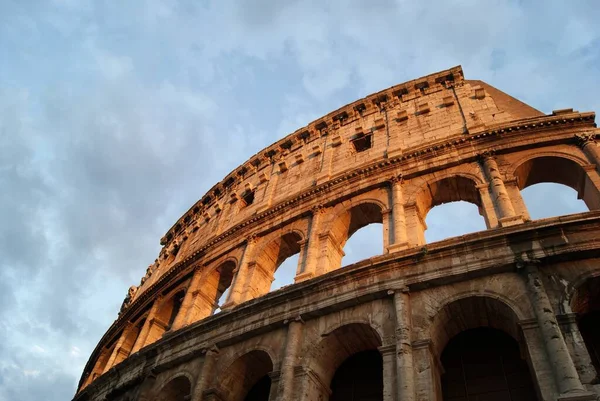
pixel 472 310
pixel 559 168
pixel 175 388
pixel 462 329
pixel 447 188
pixel 165 314
pixel 334 326
pixel 334 348
pixel 131 335
pixel 244 371
pixel 269 256
pixel 346 219
pixel 440 189
pixel 214 282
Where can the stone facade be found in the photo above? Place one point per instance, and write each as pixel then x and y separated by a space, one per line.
pixel 388 158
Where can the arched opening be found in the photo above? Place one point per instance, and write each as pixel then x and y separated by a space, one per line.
pixel 344 358
pixel 453 219
pixel 270 259
pixel 177 300
pixel 555 170
pixel 485 364
pixel 487 319
pixel 449 207
pixel 178 389
pixel 363 244
pixel 164 318
pixel 369 240
pixel 247 378
pixel 359 378
pixel 564 200
pixel 101 362
pixel 586 304
pixel 285 273
pixel 215 288
pixel 129 342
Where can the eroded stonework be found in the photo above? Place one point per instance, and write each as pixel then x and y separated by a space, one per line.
pixel 401 326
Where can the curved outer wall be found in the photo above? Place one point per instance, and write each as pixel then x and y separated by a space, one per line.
pixel 388 158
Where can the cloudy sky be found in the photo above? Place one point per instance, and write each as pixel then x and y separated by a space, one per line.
pixel 116 116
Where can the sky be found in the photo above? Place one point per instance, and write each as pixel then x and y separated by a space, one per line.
pixel 116 116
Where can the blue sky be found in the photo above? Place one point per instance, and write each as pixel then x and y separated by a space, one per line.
pixel 115 117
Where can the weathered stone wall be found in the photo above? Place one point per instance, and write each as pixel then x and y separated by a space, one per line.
pixel 433 140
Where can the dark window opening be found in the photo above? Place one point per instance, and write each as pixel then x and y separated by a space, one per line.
pixel 362 142
pixel 359 378
pixel 260 391
pixel 248 198
pixel 360 108
pixel 228 182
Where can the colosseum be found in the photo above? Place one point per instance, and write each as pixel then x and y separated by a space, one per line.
pixel 508 313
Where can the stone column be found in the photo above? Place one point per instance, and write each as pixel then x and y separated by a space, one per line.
pixel 404 351
pixel 237 292
pixel 426 386
pixel 488 212
pixel 587 142
pixel 386 220
pixel 292 347
pixel 313 387
pixel 388 355
pixel 182 316
pixel 312 252
pixel 507 216
pixel 141 340
pixel 577 347
pixel 567 379
pixel 415 225
pixel 118 348
pixel 275 377
pixel 512 188
pixel 331 254
pixel 206 374
pixel 400 237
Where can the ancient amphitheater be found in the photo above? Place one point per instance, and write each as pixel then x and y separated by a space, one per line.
pixel 508 313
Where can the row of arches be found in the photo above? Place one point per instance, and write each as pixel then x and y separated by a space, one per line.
pixel 478 341
pixel 364 226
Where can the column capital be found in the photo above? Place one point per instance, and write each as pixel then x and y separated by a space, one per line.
pixel 252 239
pixel 585 138
pixel 396 179
pixel 294 319
pixel 486 154
pixel 212 350
pixel 526 264
pixel 318 209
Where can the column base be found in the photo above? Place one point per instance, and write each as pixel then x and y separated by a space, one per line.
pixel 583 395
pixel 510 221
pixel 303 277
pixel 228 305
pixel 397 247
